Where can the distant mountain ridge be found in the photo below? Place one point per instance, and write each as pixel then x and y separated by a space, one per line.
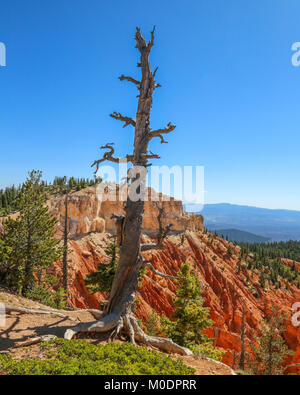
pixel 277 225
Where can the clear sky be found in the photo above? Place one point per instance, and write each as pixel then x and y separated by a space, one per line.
pixel 228 85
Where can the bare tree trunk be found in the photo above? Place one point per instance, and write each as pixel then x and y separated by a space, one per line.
pixel 126 278
pixel 118 314
pixel 234 353
pixel 242 357
pixel 217 329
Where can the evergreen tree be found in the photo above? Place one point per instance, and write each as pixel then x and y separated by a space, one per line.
pixel 152 324
pixel 239 266
pixel 5 252
pixel 242 335
pixel 229 250
pixel 190 315
pixel 30 237
pixel 101 281
pixel 272 349
pixel 262 280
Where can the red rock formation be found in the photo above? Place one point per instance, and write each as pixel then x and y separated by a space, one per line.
pixel 225 291
pixel 90 210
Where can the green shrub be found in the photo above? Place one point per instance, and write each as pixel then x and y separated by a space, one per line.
pixel 54 299
pixel 207 350
pixel 102 279
pixel 190 317
pixel 59 299
pixel 40 294
pixel 242 373
pixel 78 357
pixel 152 324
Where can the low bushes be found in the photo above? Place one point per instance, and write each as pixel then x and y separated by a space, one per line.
pixel 78 357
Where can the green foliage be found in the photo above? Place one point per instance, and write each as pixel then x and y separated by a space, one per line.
pixel 9 195
pixel 229 250
pixel 142 272
pixel 7 200
pixel 240 372
pixel 72 183
pixel 78 357
pixel 207 350
pixel 101 281
pixel 152 324
pixel 266 261
pixel 48 297
pixel 262 280
pixel 289 249
pixel 51 281
pixel 182 239
pixel 191 318
pixel 30 237
pixel 40 294
pixel 272 349
pixel 5 252
pixel 59 299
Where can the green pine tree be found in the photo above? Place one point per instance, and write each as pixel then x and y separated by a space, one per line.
pixel 272 349
pixel 30 237
pixel 239 266
pixel 152 324
pixel 101 281
pixel 262 280
pixel 190 315
pixel 5 252
pixel 229 250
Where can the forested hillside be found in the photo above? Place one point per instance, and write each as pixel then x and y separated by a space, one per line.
pixel 288 249
pixel 9 194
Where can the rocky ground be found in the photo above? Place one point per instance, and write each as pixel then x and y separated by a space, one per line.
pixel 21 327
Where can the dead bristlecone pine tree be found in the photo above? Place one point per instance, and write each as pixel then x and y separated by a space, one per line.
pixel 118 315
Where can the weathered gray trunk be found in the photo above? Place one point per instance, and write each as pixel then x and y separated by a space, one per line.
pixel 118 314
pixel 126 278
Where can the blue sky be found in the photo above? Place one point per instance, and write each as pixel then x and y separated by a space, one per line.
pixel 228 85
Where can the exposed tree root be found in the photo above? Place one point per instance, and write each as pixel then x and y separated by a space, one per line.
pixel 166 345
pixel 105 324
pixel 97 314
pixel 21 310
pixel 132 328
pixel 117 331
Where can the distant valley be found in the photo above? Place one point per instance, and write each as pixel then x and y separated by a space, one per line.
pixel 275 225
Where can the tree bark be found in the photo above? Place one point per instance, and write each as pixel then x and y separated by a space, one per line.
pixel 126 278
pixel 118 312
pixel 242 357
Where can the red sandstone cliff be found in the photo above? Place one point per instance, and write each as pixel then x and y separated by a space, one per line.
pixel 90 210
